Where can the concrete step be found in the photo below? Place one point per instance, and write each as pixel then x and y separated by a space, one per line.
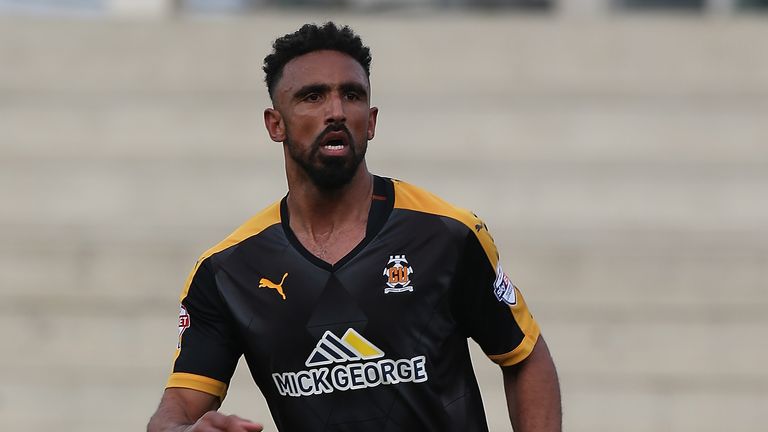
pixel 622 56
pixel 630 273
pixel 124 399
pixel 530 129
pixel 686 198
pixel 621 166
pixel 589 344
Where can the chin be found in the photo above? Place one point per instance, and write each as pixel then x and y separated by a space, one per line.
pixel 332 177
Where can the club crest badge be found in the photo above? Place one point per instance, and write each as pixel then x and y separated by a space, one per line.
pixel 398 274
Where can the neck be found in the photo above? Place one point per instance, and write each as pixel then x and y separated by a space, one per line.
pixel 318 213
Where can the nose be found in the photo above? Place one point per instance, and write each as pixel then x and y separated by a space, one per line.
pixel 335 110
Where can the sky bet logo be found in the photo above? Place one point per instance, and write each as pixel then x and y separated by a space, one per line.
pixel 353 371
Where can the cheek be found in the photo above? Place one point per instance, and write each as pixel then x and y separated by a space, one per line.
pixel 359 120
pixel 304 111
pixel 302 125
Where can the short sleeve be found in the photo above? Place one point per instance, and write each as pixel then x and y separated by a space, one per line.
pixel 488 306
pixel 207 352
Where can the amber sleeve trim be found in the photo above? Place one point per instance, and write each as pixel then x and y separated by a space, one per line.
pixel 197 382
pixel 523 350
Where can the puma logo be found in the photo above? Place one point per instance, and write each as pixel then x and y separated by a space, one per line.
pixel 266 283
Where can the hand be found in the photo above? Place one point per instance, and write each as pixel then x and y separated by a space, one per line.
pixel 214 421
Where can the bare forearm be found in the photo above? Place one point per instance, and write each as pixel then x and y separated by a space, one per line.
pixel 184 410
pixel 170 417
pixel 179 409
pixel 533 393
pixel 164 425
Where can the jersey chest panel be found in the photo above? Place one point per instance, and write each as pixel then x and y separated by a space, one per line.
pixel 375 336
pixel 395 292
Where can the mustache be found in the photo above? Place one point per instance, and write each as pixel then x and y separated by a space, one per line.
pixel 333 127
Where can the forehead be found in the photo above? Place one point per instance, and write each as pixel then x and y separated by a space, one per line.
pixel 320 67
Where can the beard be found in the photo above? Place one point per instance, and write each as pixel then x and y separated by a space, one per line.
pixel 328 173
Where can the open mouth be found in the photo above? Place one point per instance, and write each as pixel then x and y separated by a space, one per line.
pixel 336 144
pixel 335 141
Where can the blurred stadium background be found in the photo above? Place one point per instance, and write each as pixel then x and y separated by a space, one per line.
pixel 618 150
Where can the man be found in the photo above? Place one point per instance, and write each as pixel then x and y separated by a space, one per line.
pixel 351 298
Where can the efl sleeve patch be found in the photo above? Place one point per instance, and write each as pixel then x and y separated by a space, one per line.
pixel 184 322
pixel 503 288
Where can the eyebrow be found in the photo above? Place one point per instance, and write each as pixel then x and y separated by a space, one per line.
pixel 325 88
pixel 354 87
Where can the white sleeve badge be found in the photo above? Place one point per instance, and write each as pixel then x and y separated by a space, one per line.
pixel 184 322
pixel 503 288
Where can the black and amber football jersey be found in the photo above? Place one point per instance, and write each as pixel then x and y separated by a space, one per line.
pixel 377 341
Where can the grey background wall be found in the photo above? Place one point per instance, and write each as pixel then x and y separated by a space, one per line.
pixel 620 162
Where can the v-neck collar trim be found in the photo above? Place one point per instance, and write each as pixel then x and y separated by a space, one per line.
pixel 382 202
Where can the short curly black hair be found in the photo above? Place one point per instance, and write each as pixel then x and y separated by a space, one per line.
pixel 309 38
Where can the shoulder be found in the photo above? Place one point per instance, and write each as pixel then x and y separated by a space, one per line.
pixel 414 198
pixel 261 221
pixel 252 227
pixel 410 197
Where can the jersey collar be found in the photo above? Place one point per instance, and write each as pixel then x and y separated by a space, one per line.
pixel 382 202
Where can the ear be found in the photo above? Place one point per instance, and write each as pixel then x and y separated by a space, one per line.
pixel 372 115
pixel 273 121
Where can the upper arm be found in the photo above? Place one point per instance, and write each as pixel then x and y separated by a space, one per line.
pixel 533 392
pixel 539 357
pixel 208 347
pixel 488 306
pixel 192 403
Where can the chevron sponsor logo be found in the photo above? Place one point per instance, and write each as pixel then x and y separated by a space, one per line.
pixel 351 346
pixel 349 362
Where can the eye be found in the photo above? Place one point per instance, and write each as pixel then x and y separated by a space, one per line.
pixel 352 96
pixel 312 97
